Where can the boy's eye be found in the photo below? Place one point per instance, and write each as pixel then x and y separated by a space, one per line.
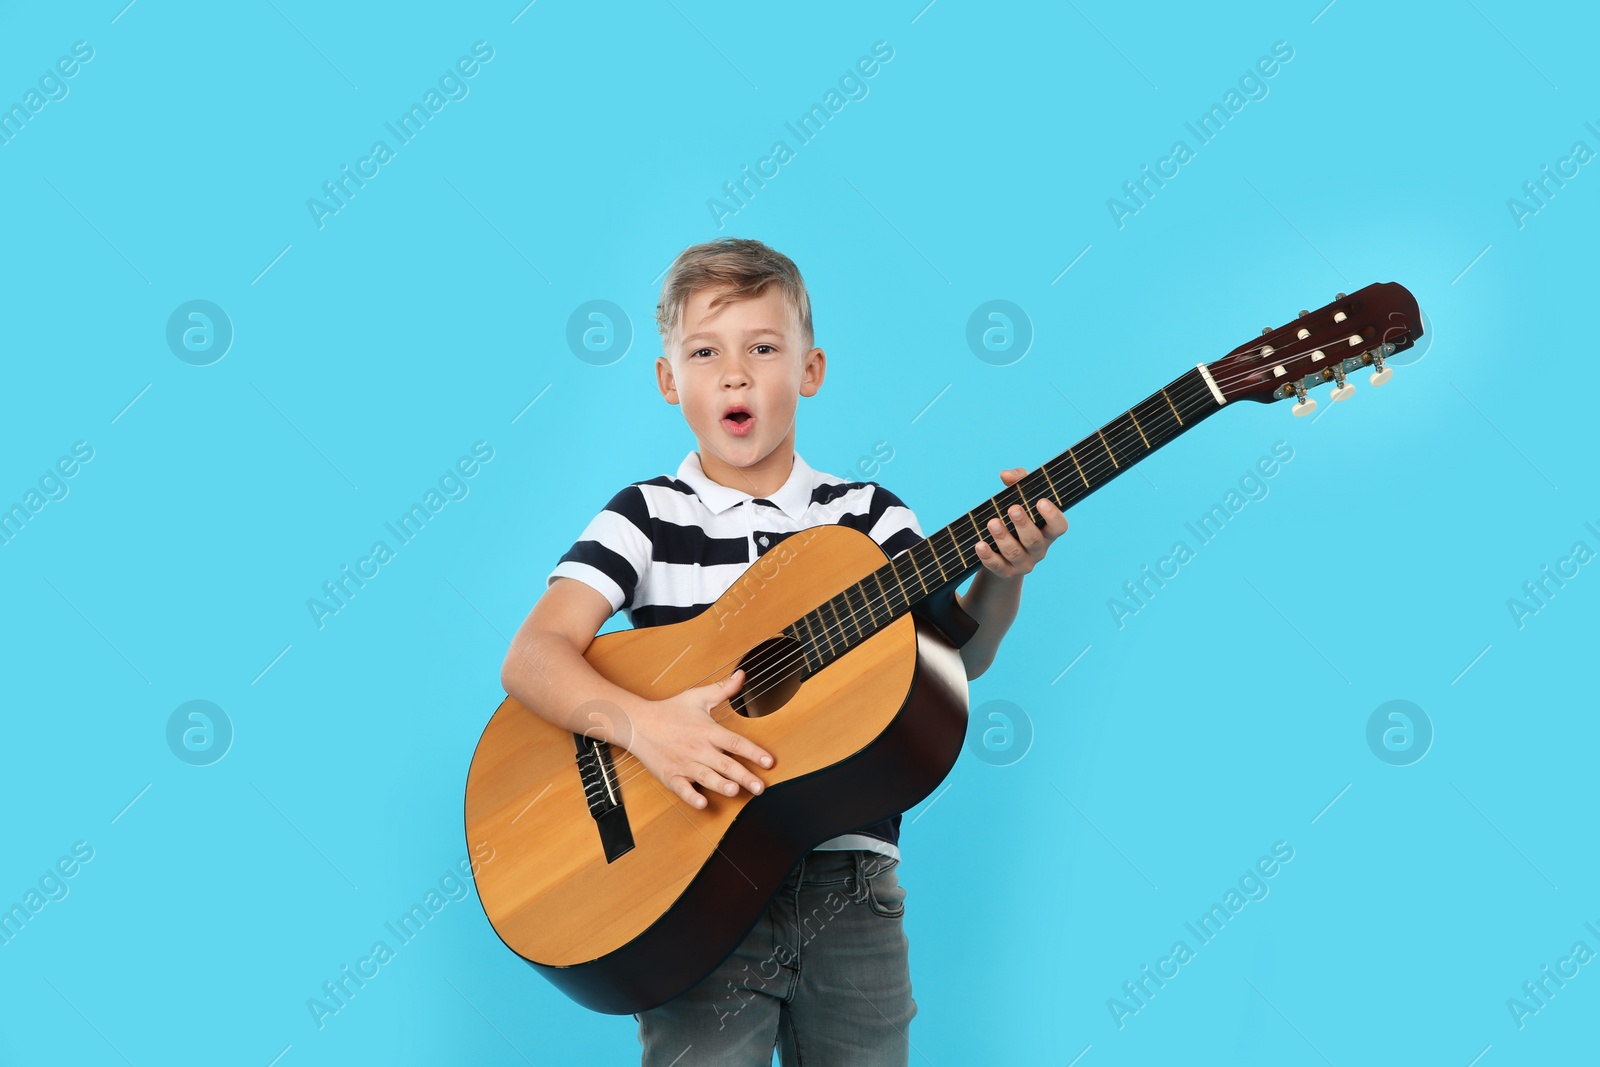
pixel 766 346
pixel 699 351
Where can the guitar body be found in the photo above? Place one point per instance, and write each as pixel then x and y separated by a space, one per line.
pixel 624 919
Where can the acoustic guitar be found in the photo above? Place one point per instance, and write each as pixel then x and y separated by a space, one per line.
pixel 622 895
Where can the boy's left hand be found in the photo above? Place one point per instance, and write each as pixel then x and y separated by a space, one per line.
pixel 1018 554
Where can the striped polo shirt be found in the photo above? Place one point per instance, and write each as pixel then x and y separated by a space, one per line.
pixel 663 550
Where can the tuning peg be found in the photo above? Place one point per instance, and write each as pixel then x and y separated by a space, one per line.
pixel 1305 405
pixel 1303 313
pixel 1344 390
pixel 1381 373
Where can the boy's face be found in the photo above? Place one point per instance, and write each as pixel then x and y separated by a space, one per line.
pixel 738 373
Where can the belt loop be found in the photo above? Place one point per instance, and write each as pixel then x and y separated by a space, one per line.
pixel 858 886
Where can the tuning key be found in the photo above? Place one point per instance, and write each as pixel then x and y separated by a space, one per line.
pixel 1381 373
pixel 1344 390
pixel 1305 405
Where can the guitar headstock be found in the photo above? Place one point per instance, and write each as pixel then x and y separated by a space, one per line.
pixel 1326 345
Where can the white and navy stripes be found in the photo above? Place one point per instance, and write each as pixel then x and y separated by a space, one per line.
pixel 663 550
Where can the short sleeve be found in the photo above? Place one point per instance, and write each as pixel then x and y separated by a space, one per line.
pixel 894 525
pixel 613 552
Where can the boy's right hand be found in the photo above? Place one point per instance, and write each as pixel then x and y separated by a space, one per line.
pixel 679 743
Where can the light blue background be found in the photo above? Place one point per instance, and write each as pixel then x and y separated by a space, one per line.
pixel 431 311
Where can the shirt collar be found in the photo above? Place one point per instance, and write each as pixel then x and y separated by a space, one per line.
pixel 793 498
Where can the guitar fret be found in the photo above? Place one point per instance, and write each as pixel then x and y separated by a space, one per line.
pixel 811 639
pixel 854 617
pixel 1075 463
pixel 793 631
pixel 844 619
pixel 922 583
pixel 1055 494
pixel 1021 502
pixel 1107 445
pixel 829 632
pixel 1173 406
pixel 1136 426
pixel 820 626
pixel 979 530
pixel 894 570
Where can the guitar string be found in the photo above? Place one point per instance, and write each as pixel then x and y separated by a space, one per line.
pixel 752 686
pixel 755 677
pixel 753 683
pixel 1201 402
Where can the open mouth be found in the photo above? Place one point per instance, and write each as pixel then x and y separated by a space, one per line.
pixel 738 421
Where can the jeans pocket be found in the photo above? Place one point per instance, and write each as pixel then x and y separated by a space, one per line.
pixel 885 895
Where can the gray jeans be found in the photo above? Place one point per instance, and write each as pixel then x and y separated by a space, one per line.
pixel 823 976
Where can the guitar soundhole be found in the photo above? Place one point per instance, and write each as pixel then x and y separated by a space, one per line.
pixel 772 675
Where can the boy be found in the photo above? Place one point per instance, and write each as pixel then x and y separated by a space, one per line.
pixel 737 342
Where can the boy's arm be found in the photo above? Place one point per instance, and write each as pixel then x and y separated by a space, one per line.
pixel 545 670
pixel 676 739
pixel 992 602
pixel 996 591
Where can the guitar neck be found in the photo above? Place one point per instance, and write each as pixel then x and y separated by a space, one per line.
pixel 947 557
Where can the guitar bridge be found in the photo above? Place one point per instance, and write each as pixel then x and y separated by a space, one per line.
pixel 600 789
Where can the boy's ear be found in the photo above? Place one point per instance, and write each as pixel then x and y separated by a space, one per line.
pixel 816 367
pixel 665 381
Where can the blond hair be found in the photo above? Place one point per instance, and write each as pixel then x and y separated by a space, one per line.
pixel 747 267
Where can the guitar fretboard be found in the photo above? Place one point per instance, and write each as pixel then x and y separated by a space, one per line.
pixel 946 557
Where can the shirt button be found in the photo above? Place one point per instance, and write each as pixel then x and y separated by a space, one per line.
pixel 763 542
